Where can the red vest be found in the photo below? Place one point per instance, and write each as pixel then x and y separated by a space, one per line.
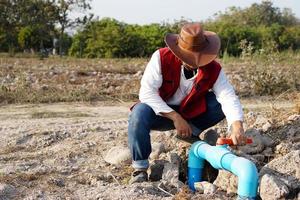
pixel 194 103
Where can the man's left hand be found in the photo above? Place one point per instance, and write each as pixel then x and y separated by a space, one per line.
pixel 237 133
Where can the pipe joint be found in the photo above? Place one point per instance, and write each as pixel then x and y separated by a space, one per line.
pixel 221 158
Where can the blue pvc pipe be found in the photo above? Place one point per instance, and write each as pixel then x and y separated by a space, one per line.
pixel 221 158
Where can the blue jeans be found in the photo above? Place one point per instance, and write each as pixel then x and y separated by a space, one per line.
pixel 143 119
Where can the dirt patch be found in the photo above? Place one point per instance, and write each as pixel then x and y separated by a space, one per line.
pixel 56 150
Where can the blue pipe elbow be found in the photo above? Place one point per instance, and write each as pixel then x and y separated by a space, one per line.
pixel 195 166
pixel 247 174
pixel 221 158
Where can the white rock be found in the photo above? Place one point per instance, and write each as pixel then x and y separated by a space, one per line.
pixel 266 126
pixel 286 168
pixel 157 149
pixel 272 187
pixel 294 117
pixel 138 73
pixel 205 187
pixel 170 174
pixel 118 155
pixel 260 120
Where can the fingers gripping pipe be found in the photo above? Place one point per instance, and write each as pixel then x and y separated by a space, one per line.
pixel 221 158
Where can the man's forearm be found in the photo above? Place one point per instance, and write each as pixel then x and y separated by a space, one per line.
pixel 171 115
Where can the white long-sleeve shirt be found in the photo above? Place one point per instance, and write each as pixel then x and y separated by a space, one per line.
pixel 152 81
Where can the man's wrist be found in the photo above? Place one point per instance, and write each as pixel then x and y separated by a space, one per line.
pixel 236 125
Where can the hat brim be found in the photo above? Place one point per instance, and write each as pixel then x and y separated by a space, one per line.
pixel 193 58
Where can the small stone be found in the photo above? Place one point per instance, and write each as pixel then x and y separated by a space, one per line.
pixel 266 126
pixel 170 174
pixel 205 187
pixel 157 149
pixel 44 87
pixel 72 80
pixel 7 191
pixel 268 152
pixel 138 74
pixel 294 117
pixel 58 182
pixel 209 137
pixel 260 121
pixel 156 170
pixel 283 148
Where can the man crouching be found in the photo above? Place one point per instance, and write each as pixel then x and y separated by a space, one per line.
pixel 182 88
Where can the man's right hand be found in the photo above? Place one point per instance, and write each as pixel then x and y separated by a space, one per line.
pixel 183 128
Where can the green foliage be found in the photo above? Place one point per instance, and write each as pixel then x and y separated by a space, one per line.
pixel 78 45
pixel 3 40
pixel 25 22
pixel 264 14
pixel 26 37
pixel 110 38
pixel 33 24
pixel 265 26
pixel 104 39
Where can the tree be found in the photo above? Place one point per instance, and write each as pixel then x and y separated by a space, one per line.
pixel 26 37
pixel 78 45
pixel 65 8
pixel 257 15
pixel 9 23
pixel 104 38
pixel 37 23
pixel 263 25
pixel 27 17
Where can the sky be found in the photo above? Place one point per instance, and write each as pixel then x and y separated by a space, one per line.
pixel 157 11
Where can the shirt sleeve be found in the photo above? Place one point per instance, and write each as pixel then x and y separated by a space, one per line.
pixel 150 84
pixel 226 96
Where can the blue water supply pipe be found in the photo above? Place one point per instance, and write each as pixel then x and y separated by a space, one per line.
pixel 221 158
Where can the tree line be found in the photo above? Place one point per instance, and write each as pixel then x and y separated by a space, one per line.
pixel 33 25
pixel 39 24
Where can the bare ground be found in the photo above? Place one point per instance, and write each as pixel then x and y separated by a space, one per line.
pixel 55 151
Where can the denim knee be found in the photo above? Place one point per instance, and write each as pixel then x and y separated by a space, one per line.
pixel 141 116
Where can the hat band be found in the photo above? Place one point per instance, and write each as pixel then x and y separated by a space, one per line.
pixel 187 46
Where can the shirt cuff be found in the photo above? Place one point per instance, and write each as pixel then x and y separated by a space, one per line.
pixel 166 109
